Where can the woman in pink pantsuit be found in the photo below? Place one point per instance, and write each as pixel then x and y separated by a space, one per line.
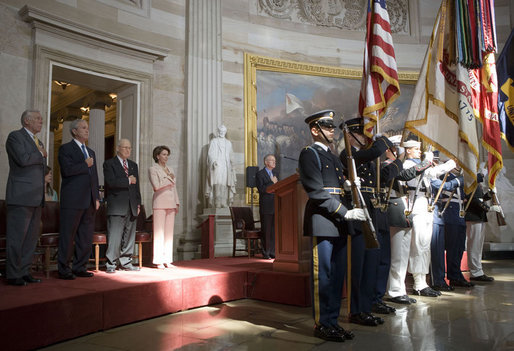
pixel 165 207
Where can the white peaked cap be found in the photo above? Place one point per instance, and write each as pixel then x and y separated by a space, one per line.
pixel 395 139
pixel 411 143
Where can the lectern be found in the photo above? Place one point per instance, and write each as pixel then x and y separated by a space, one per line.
pixel 292 249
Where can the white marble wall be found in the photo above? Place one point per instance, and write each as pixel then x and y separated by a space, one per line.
pixel 163 23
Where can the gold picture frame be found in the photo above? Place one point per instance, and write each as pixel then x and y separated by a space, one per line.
pixel 283 71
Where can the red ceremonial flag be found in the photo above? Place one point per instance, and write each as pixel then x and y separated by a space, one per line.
pixel 380 85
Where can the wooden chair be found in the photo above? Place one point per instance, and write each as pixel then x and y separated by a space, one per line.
pixel 100 233
pixel 143 233
pixel 49 238
pixel 243 227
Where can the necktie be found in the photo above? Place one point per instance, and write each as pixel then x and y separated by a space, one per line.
pixel 36 140
pixel 84 151
pixel 125 167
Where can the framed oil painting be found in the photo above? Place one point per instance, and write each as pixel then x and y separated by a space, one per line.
pixel 280 94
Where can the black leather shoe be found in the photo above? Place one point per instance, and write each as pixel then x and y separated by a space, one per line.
pixel 428 291
pixel 461 283
pixel 67 276
pixel 390 308
pixel 482 278
pixel 129 268
pixel 377 319
pixel 83 274
pixel 363 319
pixel 405 300
pixel 412 300
pixel 380 308
pixel 30 279
pixel 328 334
pixel 17 282
pixel 110 270
pixel 348 334
pixel 444 287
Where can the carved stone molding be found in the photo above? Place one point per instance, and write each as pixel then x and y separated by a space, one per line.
pixel 343 14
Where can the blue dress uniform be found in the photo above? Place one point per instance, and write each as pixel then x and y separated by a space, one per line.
pixel 437 243
pixel 321 174
pixel 370 267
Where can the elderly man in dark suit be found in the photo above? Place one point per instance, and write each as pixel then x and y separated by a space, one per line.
pixel 123 205
pixel 264 178
pixel 79 202
pixel 24 197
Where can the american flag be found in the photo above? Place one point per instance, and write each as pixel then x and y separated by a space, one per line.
pixel 380 85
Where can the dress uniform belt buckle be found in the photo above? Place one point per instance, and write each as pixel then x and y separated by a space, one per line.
pixel 462 213
pixel 334 191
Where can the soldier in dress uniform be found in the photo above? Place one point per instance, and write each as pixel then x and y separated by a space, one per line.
pixel 325 220
pixel 370 267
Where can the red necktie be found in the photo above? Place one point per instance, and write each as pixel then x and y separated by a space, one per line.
pixel 125 167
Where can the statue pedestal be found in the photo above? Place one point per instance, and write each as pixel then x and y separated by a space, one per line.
pixel 222 230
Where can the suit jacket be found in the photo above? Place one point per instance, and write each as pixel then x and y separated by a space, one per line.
pixel 120 194
pixel 165 194
pixel 26 181
pixel 324 212
pixel 79 185
pixel 266 200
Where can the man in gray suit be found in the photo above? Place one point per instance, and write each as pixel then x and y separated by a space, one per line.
pixel 123 205
pixel 24 197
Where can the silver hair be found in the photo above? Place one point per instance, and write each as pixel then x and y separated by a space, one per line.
pixel 26 115
pixel 268 155
pixel 74 125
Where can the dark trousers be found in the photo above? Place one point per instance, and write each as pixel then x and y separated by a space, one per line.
pixel 328 271
pixel 22 233
pixel 437 254
pixel 268 231
pixel 121 237
pixel 384 263
pixel 77 227
pixel 455 239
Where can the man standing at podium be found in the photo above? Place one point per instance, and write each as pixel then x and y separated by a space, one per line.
pixel 325 220
pixel 264 178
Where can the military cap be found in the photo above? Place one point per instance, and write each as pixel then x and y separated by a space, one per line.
pixel 324 118
pixel 355 125
pixel 396 139
pixel 411 143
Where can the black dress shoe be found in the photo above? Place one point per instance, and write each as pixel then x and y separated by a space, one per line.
pixel 83 274
pixel 30 279
pixel 17 282
pixel 380 308
pixel 327 333
pixel 67 276
pixel 390 308
pixel 461 283
pixel 363 319
pixel 443 287
pixel 129 267
pixel 412 300
pixel 404 299
pixel 377 319
pixel 110 270
pixel 428 291
pixel 482 278
pixel 348 334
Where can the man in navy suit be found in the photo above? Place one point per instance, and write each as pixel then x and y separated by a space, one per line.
pixel 123 205
pixel 79 202
pixel 24 197
pixel 264 178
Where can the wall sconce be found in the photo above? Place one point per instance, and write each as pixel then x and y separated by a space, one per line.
pixel 84 109
pixel 63 85
pixel 113 96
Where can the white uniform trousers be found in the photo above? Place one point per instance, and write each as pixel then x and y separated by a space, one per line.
pixel 400 250
pixel 419 259
pixel 475 243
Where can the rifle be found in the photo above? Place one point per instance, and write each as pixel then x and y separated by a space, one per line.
pixel 368 230
pixel 500 216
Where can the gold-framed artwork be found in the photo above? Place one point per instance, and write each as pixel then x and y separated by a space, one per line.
pixel 280 94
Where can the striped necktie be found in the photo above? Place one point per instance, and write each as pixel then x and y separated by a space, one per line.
pixel 36 140
pixel 125 167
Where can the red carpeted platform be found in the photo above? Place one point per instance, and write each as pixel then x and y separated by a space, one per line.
pixel 57 310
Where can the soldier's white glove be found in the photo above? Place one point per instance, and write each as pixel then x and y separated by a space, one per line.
pixel 347 186
pixel 495 208
pixel 449 165
pixel 493 190
pixel 376 136
pixel 429 156
pixel 356 214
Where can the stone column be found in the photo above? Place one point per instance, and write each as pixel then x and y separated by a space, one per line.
pixel 204 109
pixel 97 103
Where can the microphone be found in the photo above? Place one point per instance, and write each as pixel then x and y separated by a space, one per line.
pixel 288 158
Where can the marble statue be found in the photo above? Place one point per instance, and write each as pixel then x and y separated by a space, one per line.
pixel 221 177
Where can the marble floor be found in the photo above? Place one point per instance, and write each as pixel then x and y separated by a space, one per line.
pixel 480 318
